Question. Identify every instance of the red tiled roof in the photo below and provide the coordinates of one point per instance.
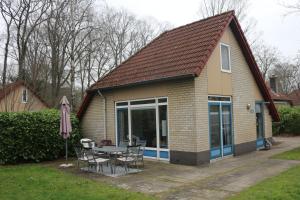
(12, 86)
(181, 52)
(278, 96)
(295, 97)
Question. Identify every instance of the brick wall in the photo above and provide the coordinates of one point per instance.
(92, 123)
(181, 113)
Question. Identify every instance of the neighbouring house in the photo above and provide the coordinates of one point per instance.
(195, 93)
(295, 97)
(278, 98)
(19, 96)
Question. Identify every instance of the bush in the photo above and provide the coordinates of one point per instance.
(34, 136)
(289, 121)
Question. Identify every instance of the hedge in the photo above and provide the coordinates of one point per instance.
(34, 136)
(289, 121)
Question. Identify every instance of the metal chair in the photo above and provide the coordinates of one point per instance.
(94, 161)
(140, 155)
(123, 143)
(80, 156)
(129, 157)
(87, 143)
(105, 143)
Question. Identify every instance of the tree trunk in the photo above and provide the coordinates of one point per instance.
(4, 73)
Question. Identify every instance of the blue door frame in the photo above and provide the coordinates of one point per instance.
(260, 122)
(222, 150)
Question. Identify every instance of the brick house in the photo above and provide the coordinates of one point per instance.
(19, 96)
(194, 93)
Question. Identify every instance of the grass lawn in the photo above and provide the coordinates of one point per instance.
(31, 182)
(285, 186)
(293, 154)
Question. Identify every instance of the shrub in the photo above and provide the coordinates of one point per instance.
(289, 121)
(34, 136)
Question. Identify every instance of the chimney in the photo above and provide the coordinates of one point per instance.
(273, 83)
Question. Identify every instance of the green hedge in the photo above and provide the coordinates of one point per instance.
(289, 121)
(34, 136)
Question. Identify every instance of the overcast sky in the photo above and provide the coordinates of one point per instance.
(275, 29)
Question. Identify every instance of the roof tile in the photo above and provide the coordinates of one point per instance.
(178, 52)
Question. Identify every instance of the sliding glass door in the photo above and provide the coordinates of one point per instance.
(144, 120)
(220, 127)
(143, 125)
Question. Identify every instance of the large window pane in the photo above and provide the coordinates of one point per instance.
(215, 137)
(122, 120)
(163, 127)
(143, 126)
(226, 122)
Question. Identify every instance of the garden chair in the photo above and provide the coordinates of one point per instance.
(123, 143)
(87, 143)
(140, 155)
(94, 161)
(129, 157)
(80, 156)
(105, 143)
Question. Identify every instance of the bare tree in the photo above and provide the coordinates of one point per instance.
(287, 74)
(37, 61)
(214, 7)
(266, 58)
(59, 36)
(292, 8)
(59, 44)
(80, 29)
(26, 15)
(8, 19)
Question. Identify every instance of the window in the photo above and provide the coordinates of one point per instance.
(225, 58)
(122, 104)
(142, 102)
(144, 120)
(24, 96)
(218, 98)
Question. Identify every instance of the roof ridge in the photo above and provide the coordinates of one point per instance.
(202, 20)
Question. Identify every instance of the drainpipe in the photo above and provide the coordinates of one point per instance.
(104, 99)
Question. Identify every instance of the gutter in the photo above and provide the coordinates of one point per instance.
(186, 76)
(104, 117)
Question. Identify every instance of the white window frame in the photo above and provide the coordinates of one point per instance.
(229, 55)
(143, 106)
(26, 101)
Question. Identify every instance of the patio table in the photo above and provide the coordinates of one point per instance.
(112, 151)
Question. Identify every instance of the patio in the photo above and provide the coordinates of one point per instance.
(217, 180)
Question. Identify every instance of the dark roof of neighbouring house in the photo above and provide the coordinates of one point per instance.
(295, 97)
(179, 53)
(280, 97)
(8, 88)
(276, 96)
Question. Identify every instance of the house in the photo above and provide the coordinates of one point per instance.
(194, 94)
(295, 97)
(281, 99)
(19, 96)
(278, 98)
